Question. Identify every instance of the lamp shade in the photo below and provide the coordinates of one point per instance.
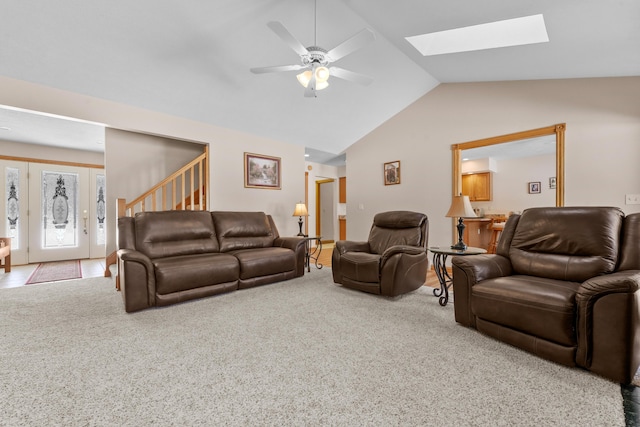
(301, 210)
(461, 208)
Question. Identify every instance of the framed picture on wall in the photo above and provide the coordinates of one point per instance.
(534, 187)
(391, 173)
(261, 171)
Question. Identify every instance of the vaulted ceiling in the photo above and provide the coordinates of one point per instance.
(191, 58)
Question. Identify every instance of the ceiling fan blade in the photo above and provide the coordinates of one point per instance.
(287, 37)
(341, 73)
(276, 69)
(352, 44)
(310, 91)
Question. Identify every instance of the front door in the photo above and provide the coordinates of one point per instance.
(58, 212)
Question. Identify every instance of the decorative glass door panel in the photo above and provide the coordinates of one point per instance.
(59, 204)
(97, 214)
(14, 207)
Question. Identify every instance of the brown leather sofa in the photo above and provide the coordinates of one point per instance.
(173, 256)
(563, 285)
(393, 261)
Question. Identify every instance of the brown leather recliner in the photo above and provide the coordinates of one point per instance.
(563, 285)
(392, 262)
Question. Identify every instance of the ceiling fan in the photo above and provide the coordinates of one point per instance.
(316, 60)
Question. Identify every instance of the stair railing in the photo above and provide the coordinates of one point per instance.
(185, 189)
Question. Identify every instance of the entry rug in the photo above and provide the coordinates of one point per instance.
(55, 271)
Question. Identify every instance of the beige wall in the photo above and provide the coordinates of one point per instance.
(602, 144)
(227, 146)
(43, 152)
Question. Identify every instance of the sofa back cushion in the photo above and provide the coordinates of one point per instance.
(398, 228)
(567, 243)
(243, 230)
(173, 233)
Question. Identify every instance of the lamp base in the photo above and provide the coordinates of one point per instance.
(301, 234)
(461, 245)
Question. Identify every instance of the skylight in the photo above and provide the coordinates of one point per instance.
(510, 32)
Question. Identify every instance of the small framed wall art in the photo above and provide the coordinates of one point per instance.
(534, 187)
(261, 171)
(391, 172)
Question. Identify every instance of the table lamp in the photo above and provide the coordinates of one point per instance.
(300, 210)
(460, 208)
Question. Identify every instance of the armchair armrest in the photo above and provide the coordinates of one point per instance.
(403, 268)
(343, 246)
(401, 249)
(137, 280)
(469, 270)
(482, 267)
(605, 305)
(621, 281)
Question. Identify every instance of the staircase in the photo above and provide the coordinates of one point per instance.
(185, 189)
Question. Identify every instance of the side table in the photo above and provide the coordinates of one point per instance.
(312, 253)
(440, 254)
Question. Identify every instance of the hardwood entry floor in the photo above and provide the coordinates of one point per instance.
(20, 273)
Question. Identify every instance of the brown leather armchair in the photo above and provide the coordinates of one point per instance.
(563, 285)
(392, 262)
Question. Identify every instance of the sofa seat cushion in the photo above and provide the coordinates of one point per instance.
(264, 261)
(180, 273)
(542, 307)
(361, 266)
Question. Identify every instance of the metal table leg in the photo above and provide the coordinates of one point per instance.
(440, 267)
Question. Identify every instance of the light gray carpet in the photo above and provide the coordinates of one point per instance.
(302, 352)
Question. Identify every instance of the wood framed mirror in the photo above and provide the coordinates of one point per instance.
(557, 130)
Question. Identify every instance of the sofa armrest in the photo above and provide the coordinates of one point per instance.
(605, 305)
(137, 280)
(343, 246)
(469, 270)
(289, 242)
(297, 245)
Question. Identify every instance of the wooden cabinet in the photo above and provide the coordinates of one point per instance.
(342, 185)
(477, 186)
(343, 228)
(477, 232)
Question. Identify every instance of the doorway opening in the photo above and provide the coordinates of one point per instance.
(325, 209)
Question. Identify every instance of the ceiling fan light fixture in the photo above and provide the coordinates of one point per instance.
(321, 82)
(322, 74)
